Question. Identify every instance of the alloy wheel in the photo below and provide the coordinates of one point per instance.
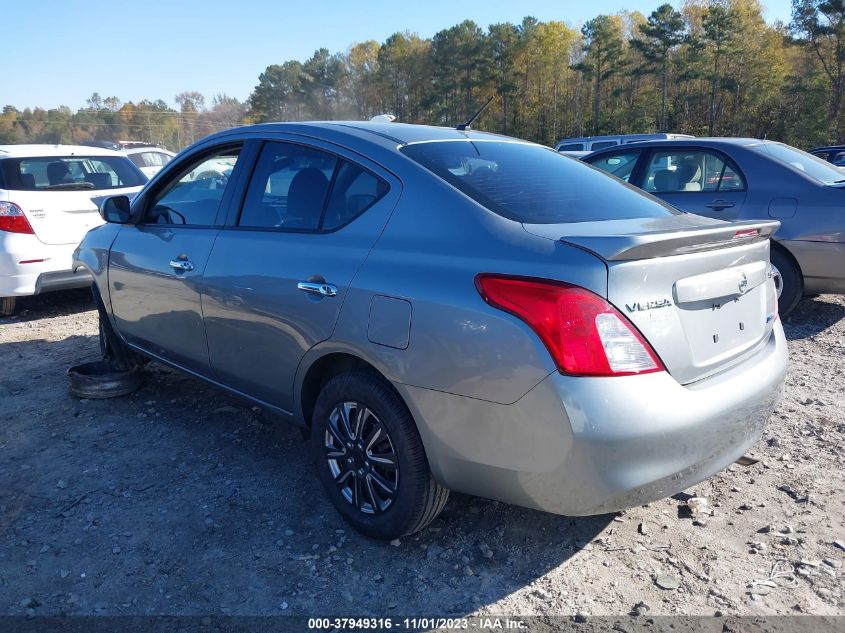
(778, 279)
(361, 457)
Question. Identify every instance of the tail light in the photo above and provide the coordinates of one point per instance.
(12, 219)
(585, 335)
(744, 233)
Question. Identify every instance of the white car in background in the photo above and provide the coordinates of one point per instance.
(148, 158)
(47, 204)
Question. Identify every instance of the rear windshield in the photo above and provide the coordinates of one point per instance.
(813, 166)
(63, 173)
(533, 184)
(149, 159)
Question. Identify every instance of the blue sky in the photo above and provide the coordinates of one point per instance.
(58, 53)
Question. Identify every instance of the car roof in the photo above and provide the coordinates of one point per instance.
(386, 134)
(38, 150)
(834, 148)
(681, 142)
(657, 136)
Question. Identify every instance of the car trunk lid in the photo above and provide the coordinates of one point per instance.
(61, 216)
(698, 289)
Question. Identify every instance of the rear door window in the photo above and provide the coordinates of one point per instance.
(289, 187)
(620, 164)
(571, 147)
(691, 171)
(300, 188)
(353, 192)
(533, 184)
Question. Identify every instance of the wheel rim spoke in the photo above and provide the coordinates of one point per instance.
(371, 493)
(344, 413)
(374, 436)
(384, 460)
(361, 457)
(388, 486)
(336, 433)
(361, 413)
(356, 492)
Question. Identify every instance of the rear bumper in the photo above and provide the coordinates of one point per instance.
(822, 264)
(580, 446)
(62, 280)
(29, 267)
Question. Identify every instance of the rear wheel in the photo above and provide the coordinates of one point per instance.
(8, 305)
(789, 283)
(370, 458)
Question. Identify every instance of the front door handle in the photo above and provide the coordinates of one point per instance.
(322, 289)
(184, 265)
(718, 205)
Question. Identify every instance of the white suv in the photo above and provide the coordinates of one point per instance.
(47, 203)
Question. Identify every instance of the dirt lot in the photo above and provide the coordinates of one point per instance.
(179, 500)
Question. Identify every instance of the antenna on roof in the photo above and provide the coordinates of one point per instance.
(471, 120)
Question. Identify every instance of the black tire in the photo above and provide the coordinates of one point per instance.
(418, 498)
(8, 305)
(791, 280)
(112, 348)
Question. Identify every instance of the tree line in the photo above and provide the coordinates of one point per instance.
(709, 67)
(109, 119)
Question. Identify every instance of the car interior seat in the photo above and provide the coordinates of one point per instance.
(305, 198)
(665, 180)
(689, 176)
(58, 173)
(100, 181)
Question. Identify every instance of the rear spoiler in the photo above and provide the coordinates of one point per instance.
(653, 244)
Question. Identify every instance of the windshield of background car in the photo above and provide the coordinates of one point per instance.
(150, 159)
(811, 165)
(533, 184)
(58, 173)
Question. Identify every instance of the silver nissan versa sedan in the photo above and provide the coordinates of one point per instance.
(448, 310)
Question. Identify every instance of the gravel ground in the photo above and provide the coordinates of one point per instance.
(180, 500)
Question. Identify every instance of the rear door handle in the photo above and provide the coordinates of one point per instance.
(184, 265)
(718, 205)
(322, 289)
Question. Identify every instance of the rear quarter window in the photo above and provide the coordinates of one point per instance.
(533, 184)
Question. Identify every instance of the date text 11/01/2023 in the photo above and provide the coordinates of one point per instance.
(417, 623)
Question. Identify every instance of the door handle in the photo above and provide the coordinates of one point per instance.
(184, 265)
(718, 205)
(322, 289)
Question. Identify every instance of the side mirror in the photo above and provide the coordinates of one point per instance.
(115, 209)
